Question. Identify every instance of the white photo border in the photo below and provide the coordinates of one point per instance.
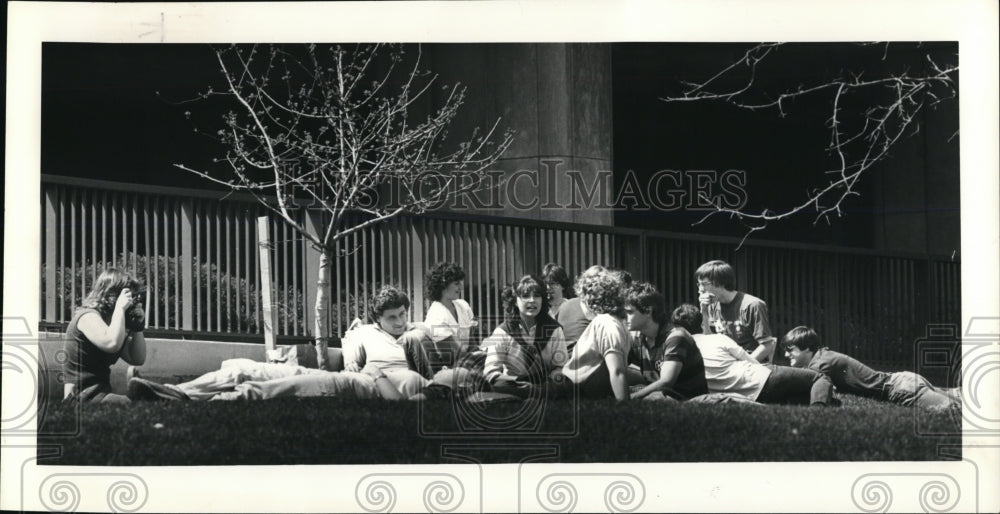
(961, 485)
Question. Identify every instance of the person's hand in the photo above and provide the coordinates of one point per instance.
(352, 367)
(706, 298)
(373, 371)
(124, 300)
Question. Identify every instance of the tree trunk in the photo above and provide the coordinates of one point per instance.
(322, 314)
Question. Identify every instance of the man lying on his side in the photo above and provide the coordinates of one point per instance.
(385, 359)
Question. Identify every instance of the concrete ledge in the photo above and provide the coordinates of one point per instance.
(169, 360)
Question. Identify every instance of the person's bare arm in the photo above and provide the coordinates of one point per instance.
(669, 371)
(107, 337)
(764, 350)
(616, 370)
(382, 384)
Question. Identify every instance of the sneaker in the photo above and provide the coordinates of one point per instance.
(142, 389)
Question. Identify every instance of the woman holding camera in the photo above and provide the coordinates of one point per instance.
(106, 327)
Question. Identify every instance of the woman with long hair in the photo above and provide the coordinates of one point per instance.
(449, 318)
(528, 348)
(107, 326)
(597, 364)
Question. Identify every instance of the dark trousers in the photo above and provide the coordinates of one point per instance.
(797, 386)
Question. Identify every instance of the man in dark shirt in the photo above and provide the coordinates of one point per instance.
(803, 349)
(670, 359)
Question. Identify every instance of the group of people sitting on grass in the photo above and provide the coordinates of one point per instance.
(614, 338)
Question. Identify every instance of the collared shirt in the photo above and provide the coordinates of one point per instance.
(442, 324)
(369, 344)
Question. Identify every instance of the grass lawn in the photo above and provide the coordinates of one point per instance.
(340, 431)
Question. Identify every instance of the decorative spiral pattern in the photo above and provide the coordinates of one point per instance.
(23, 373)
(935, 496)
(875, 496)
(977, 370)
(620, 496)
(560, 496)
(124, 496)
(440, 495)
(380, 496)
(64, 496)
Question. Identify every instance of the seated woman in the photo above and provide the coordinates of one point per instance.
(528, 348)
(449, 319)
(558, 286)
(106, 327)
(597, 364)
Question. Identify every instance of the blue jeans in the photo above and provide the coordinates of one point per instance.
(908, 388)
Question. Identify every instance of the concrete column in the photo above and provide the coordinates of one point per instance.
(557, 99)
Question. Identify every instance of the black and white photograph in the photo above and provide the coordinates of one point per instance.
(401, 272)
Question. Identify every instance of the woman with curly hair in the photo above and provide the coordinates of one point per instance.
(106, 327)
(597, 364)
(449, 318)
(559, 287)
(528, 348)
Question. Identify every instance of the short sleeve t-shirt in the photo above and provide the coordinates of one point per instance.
(573, 320)
(604, 335)
(675, 345)
(849, 374)
(744, 320)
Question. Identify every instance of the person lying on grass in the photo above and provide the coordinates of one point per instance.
(106, 327)
(805, 350)
(527, 351)
(730, 369)
(597, 362)
(668, 356)
(389, 352)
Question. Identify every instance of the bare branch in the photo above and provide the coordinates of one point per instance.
(877, 128)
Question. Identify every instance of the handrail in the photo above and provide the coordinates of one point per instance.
(512, 221)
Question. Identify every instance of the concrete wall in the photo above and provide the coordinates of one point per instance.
(917, 194)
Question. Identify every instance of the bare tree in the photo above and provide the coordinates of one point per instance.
(860, 136)
(342, 126)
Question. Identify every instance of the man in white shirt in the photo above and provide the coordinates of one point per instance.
(730, 369)
(384, 359)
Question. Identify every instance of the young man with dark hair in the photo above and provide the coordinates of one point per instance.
(670, 359)
(725, 310)
(804, 349)
(730, 369)
(384, 359)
